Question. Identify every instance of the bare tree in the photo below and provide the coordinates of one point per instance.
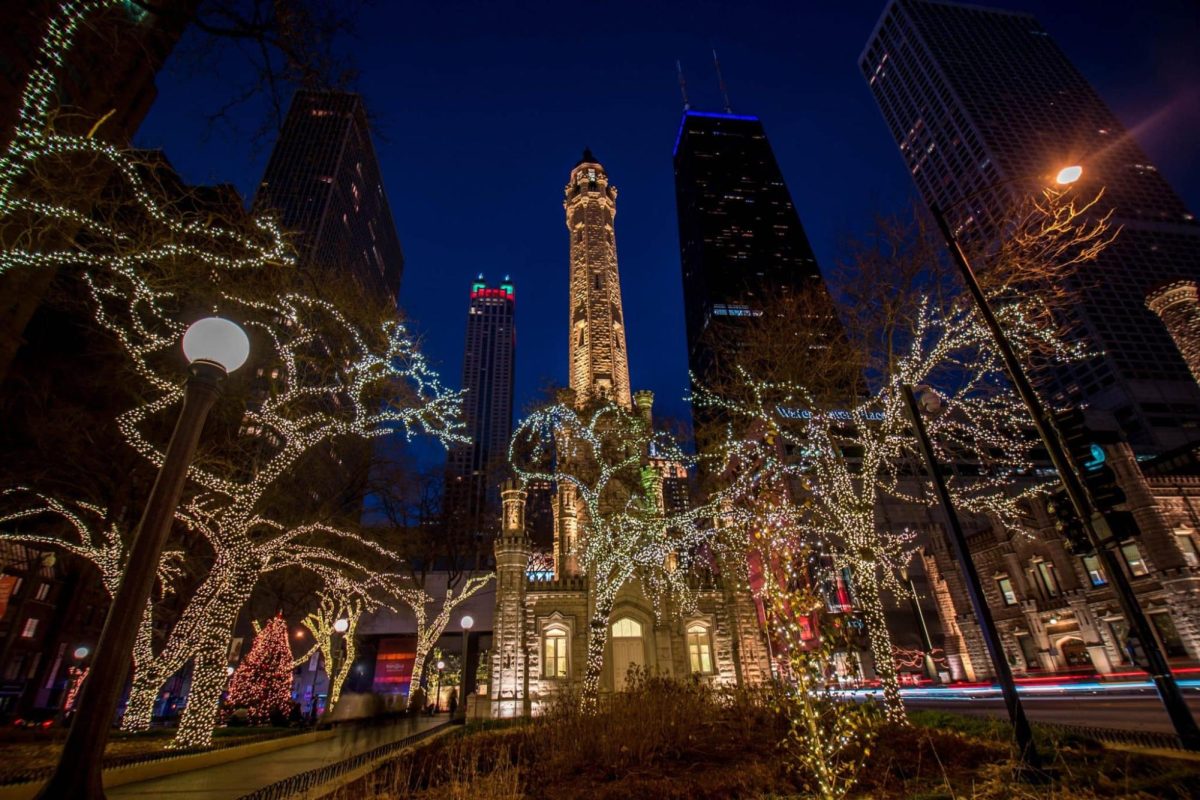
(832, 449)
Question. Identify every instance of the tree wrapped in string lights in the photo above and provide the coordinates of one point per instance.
(626, 532)
(262, 682)
(430, 630)
(150, 255)
(324, 380)
(340, 606)
(91, 537)
(818, 415)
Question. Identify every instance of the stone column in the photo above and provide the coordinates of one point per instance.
(1178, 305)
(509, 680)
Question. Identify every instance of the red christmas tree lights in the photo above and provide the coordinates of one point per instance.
(262, 683)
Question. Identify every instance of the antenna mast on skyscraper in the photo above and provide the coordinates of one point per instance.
(721, 83)
(682, 85)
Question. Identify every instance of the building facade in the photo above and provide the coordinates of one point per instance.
(543, 606)
(1054, 610)
(473, 472)
(740, 237)
(985, 107)
(323, 180)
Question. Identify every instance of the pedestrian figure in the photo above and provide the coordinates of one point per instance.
(453, 702)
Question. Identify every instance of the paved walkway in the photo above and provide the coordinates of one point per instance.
(232, 780)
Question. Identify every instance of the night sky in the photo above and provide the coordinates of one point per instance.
(482, 108)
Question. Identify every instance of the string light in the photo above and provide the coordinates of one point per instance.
(106, 247)
(983, 423)
(262, 682)
(337, 380)
(603, 458)
(430, 631)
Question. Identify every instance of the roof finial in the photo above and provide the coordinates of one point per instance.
(682, 85)
(721, 83)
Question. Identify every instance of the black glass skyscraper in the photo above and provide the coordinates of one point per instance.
(323, 179)
(740, 238)
(474, 471)
(983, 105)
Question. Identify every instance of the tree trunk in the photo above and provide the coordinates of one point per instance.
(142, 694)
(204, 700)
(209, 661)
(597, 639)
(143, 691)
(881, 647)
(418, 673)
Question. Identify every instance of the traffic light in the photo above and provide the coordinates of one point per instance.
(1085, 449)
(1067, 524)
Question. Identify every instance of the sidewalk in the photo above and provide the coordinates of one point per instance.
(231, 781)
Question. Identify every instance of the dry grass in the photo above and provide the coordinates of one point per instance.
(680, 741)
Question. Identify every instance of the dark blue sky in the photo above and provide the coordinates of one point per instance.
(482, 108)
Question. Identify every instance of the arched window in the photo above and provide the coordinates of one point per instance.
(554, 653)
(626, 628)
(699, 648)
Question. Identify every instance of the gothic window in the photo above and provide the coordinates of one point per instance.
(1095, 572)
(1187, 546)
(1164, 626)
(1133, 558)
(626, 628)
(699, 649)
(554, 652)
(1006, 591)
(1045, 571)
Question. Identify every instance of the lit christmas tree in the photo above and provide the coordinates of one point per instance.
(262, 683)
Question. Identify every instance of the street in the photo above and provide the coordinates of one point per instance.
(1132, 707)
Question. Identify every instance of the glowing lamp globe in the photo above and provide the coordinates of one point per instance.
(342, 625)
(81, 652)
(1068, 175)
(216, 341)
(441, 665)
(229, 670)
(467, 622)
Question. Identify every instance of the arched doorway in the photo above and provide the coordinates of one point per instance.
(627, 649)
(1075, 654)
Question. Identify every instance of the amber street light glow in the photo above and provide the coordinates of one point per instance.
(1068, 174)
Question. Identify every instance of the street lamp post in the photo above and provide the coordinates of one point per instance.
(214, 347)
(1098, 531)
(1026, 750)
(437, 698)
(931, 670)
(467, 622)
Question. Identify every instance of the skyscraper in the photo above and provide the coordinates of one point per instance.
(599, 363)
(983, 104)
(473, 477)
(323, 179)
(740, 238)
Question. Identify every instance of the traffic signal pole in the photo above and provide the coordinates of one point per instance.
(1026, 751)
(1099, 533)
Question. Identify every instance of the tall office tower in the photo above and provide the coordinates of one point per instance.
(323, 179)
(740, 238)
(983, 106)
(599, 365)
(474, 471)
